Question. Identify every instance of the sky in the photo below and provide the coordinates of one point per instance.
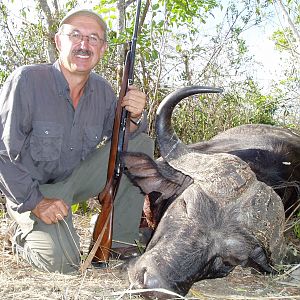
(263, 49)
(260, 45)
(257, 39)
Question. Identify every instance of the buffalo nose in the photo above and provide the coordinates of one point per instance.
(147, 279)
(151, 281)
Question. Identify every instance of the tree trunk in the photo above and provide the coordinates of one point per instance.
(290, 22)
(51, 50)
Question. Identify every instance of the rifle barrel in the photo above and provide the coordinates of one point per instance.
(134, 41)
(114, 171)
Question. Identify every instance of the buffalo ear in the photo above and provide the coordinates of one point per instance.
(259, 261)
(151, 176)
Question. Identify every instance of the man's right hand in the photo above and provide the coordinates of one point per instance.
(51, 211)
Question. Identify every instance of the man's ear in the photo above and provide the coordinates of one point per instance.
(57, 41)
(103, 49)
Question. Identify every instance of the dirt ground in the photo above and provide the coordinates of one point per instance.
(20, 281)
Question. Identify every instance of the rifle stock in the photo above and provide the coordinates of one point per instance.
(104, 223)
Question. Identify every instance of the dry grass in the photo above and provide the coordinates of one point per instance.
(20, 281)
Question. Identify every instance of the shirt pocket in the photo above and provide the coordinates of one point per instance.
(46, 141)
(91, 138)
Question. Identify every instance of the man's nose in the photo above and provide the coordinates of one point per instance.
(85, 41)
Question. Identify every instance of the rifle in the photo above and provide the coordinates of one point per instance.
(102, 235)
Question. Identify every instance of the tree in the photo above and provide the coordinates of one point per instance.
(21, 42)
(174, 47)
(290, 22)
(288, 43)
(51, 26)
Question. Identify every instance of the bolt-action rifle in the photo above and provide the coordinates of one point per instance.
(102, 235)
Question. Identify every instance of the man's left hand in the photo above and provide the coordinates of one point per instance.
(134, 101)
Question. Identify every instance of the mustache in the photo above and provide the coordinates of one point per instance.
(82, 52)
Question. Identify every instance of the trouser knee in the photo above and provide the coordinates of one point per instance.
(52, 250)
(51, 261)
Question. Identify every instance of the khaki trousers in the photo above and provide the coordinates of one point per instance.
(55, 247)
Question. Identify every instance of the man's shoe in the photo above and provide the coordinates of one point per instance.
(124, 253)
(100, 265)
(9, 236)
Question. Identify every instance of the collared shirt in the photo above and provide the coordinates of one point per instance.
(43, 138)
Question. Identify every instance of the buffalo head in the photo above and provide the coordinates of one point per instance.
(214, 214)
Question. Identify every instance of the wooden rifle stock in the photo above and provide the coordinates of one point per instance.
(102, 234)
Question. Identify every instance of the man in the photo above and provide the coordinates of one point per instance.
(52, 121)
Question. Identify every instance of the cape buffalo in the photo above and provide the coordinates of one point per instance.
(218, 203)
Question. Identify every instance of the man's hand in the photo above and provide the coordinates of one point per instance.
(134, 101)
(51, 211)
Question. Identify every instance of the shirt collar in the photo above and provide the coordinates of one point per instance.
(62, 84)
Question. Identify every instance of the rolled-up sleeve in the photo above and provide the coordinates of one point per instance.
(110, 115)
(15, 180)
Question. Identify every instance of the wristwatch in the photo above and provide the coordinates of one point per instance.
(139, 120)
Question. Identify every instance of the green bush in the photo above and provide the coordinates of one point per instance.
(202, 117)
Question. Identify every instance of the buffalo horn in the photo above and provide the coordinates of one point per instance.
(171, 147)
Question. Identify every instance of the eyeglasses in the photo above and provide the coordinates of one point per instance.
(93, 39)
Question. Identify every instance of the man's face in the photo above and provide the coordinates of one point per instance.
(81, 44)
